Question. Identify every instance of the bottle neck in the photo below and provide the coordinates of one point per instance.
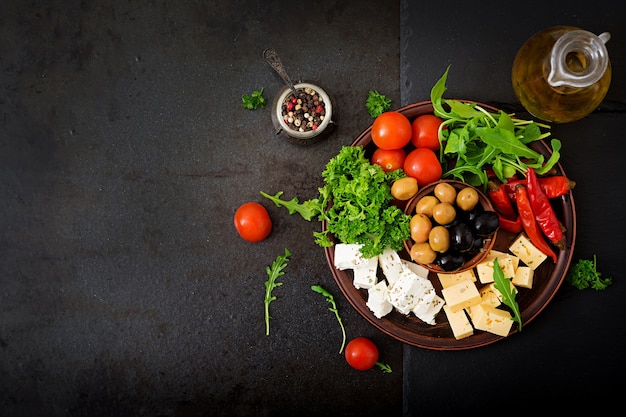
(579, 59)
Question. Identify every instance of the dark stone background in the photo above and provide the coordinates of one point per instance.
(124, 153)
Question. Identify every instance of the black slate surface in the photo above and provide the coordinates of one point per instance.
(567, 357)
(124, 153)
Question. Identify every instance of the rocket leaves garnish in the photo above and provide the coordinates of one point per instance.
(329, 297)
(507, 291)
(474, 139)
(274, 271)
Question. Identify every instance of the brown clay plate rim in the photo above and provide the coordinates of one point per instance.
(411, 330)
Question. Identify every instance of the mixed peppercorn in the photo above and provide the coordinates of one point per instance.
(305, 112)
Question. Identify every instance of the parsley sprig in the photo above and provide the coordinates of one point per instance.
(254, 100)
(503, 285)
(360, 193)
(274, 271)
(377, 103)
(584, 274)
(329, 297)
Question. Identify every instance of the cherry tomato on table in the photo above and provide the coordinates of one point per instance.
(423, 165)
(426, 131)
(391, 130)
(361, 353)
(253, 222)
(389, 159)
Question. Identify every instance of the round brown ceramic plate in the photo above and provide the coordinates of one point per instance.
(411, 330)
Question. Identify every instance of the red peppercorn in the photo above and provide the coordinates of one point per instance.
(319, 109)
(294, 100)
(314, 127)
(289, 106)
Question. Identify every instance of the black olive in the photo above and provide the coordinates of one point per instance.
(450, 261)
(477, 245)
(486, 223)
(470, 216)
(461, 237)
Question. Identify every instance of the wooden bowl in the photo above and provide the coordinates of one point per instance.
(483, 201)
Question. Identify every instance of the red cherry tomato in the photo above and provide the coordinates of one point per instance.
(391, 130)
(253, 222)
(426, 131)
(423, 165)
(361, 353)
(389, 159)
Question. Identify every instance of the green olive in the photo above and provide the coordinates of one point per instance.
(444, 213)
(420, 226)
(445, 192)
(467, 199)
(404, 188)
(425, 205)
(422, 253)
(439, 239)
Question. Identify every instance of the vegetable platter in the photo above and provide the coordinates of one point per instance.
(409, 329)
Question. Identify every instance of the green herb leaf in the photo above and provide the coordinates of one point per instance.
(274, 271)
(476, 139)
(384, 367)
(360, 212)
(377, 103)
(503, 285)
(585, 274)
(253, 101)
(329, 297)
(308, 210)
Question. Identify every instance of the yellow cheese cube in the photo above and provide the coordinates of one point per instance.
(448, 280)
(461, 295)
(490, 295)
(498, 254)
(461, 327)
(528, 253)
(491, 319)
(485, 269)
(523, 277)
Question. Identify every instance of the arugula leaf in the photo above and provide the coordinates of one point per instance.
(329, 297)
(475, 139)
(253, 101)
(503, 285)
(585, 274)
(276, 270)
(377, 103)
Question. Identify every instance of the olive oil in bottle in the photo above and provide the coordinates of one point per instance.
(562, 73)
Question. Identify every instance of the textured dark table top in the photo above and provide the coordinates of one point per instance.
(569, 353)
(124, 288)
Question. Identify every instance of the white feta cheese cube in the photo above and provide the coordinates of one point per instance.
(391, 264)
(428, 307)
(377, 300)
(407, 290)
(365, 274)
(348, 255)
(416, 268)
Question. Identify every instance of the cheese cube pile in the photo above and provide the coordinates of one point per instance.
(469, 298)
(472, 301)
(406, 286)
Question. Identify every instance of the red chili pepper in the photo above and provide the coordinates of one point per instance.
(544, 213)
(553, 186)
(500, 199)
(513, 226)
(529, 223)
